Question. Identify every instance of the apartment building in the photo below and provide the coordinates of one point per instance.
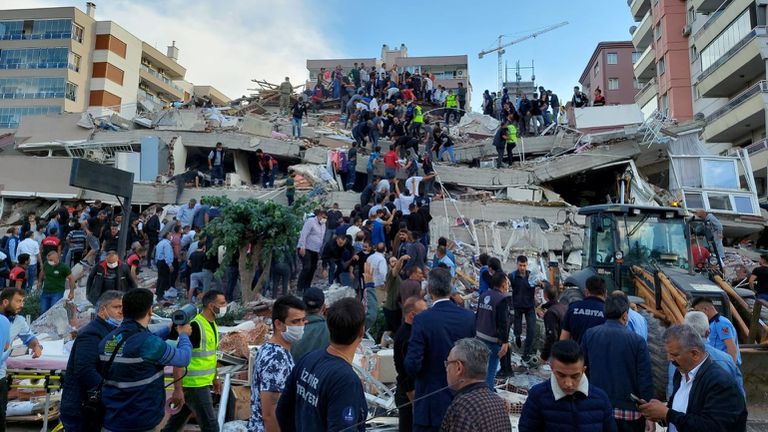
(610, 68)
(449, 71)
(63, 60)
(662, 66)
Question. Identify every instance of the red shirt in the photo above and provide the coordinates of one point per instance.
(133, 260)
(390, 159)
(17, 273)
(700, 255)
(50, 243)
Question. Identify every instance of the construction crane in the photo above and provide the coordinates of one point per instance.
(499, 50)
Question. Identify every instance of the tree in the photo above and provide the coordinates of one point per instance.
(257, 229)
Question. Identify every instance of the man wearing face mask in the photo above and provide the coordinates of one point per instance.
(82, 368)
(274, 363)
(193, 391)
(110, 274)
(54, 273)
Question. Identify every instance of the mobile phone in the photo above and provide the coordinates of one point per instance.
(636, 399)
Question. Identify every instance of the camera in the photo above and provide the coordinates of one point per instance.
(184, 315)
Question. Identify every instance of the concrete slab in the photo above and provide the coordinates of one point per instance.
(256, 126)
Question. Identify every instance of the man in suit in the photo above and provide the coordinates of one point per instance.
(433, 335)
(705, 398)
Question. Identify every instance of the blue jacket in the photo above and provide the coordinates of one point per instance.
(618, 362)
(83, 371)
(433, 334)
(719, 358)
(577, 413)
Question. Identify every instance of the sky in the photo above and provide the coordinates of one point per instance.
(226, 44)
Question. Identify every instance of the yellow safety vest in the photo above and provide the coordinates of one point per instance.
(202, 368)
(451, 101)
(418, 117)
(511, 133)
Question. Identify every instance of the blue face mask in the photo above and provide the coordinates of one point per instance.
(114, 322)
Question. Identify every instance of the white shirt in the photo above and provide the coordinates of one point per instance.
(379, 264)
(429, 83)
(680, 402)
(412, 184)
(382, 186)
(392, 91)
(352, 231)
(373, 105)
(28, 246)
(403, 202)
(381, 73)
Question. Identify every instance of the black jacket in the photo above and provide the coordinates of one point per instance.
(553, 323)
(522, 291)
(95, 285)
(715, 403)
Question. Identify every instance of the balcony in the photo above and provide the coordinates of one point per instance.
(649, 92)
(159, 83)
(706, 6)
(159, 60)
(645, 66)
(639, 8)
(719, 21)
(643, 35)
(742, 114)
(740, 65)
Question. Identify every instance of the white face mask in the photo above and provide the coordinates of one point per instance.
(51, 263)
(293, 334)
(112, 265)
(222, 311)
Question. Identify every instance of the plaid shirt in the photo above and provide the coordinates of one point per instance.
(628, 415)
(476, 408)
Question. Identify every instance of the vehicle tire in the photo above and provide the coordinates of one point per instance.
(659, 362)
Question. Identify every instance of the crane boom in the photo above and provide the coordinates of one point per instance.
(500, 48)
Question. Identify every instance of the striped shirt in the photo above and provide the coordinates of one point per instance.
(76, 240)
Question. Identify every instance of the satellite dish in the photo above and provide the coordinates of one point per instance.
(699, 116)
(632, 30)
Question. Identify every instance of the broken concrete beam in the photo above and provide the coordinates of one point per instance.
(504, 211)
(256, 126)
(336, 141)
(554, 239)
(568, 165)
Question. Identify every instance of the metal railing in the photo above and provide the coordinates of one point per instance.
(36, 36)
(752, 149)
(647, 86)
(34, 65)
(161, 77)
(643, 56)
(712, 18)
(759, 30)
(757, 88)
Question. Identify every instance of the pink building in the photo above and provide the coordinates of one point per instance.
(610, 69)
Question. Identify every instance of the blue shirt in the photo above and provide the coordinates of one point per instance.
(374, 155)
(323, 393)
(377, 233)
(721, 329)
(583, 315)
(18, 327)
(5, 342)
(185, 214)
(164, 252)
(638, 324)
(198, 220)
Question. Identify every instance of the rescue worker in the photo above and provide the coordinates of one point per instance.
(193, 391)
(417, 122)
(451, 107)
(134, 390)
(286, 88)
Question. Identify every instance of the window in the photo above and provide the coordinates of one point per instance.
(696, 93)
(71, 93)
(36, 29)
(662, 67)
(613, 83)
(636, 56)
(77, 32)
(34, 58)
(691, 15)
(657, 32)
(10, 117)
(665, 105)
(74, 62)
(613, 58)
(743, 204)
(740, 28)
(597, 68)
(719, 174)
(31, 88)
(694, 53)
(638, 85)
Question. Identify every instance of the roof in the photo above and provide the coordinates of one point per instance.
(433, 60)
(345, 63)
(601, 46)
(631, 209)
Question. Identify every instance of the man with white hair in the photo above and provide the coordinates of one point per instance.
(700, 323)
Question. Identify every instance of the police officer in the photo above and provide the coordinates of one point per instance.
(133, 393)
(194, 389)
(492, 322)
(722, 333)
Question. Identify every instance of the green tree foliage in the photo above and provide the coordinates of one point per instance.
(255, 228)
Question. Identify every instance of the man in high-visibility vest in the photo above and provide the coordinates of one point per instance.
(451, 106)
(417, 122)
(511, 138)
(193, 391)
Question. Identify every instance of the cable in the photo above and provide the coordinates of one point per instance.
(179, 378)
(354, 426)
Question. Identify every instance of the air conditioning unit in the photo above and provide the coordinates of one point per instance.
(687, 30)
(460, 73)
